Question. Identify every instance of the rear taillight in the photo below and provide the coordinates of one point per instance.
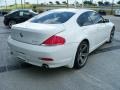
(54, 40)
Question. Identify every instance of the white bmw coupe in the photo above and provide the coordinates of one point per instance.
(60, 37)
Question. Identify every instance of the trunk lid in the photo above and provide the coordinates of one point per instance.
(34, 33)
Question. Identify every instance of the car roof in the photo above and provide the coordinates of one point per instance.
(21, 10)
(71, 10)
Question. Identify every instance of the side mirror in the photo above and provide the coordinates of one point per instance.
(106, 20)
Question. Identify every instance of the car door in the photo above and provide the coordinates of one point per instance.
(89, 29)
(102, 32)
(24, 15)
(15, 17)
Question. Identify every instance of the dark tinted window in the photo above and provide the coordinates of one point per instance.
(84, 19)
(24, 13)
(15, 13)
(11, 12)
(96, 17)
(54, 18)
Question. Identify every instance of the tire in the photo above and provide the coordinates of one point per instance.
(11, 22)
(81, 55)
(111, 35)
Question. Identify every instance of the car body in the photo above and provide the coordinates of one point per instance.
(102, 12)
(117, 12)
(57, 37)
(18, 16)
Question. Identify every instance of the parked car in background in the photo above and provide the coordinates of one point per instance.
(117, 12)
(102, 12)
(2, 13)
(18, 16)
(60, 37)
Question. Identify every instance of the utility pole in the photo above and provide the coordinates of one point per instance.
(16, 4)
(67, 3)
(6, 4)
(82, 3)
(21, 4)
(112, 7)
(37, 2)
(75, 4)
(24, 3)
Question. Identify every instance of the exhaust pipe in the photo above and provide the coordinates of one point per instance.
(45, 66)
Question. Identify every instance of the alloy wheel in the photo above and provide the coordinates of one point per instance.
(82, 55)
(11, 23)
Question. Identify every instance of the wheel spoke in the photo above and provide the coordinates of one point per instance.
(84, 47)
(84, 54)
(83, 57)
(112, 34)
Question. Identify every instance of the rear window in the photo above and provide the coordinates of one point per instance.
(54, 18)
(12, 11)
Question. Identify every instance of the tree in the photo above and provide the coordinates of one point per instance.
(100, 3)
(118, 2)
(57, 2)
(34, 8)
(42, 4)
(88, 2)
(64, 2)
(76, 3)
(106, 3)
(27, 3)
(51, 2)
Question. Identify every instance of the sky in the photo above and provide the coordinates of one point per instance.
(9, 2)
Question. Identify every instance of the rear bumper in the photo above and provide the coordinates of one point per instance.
(5, 21)
(62, 55)
(117, 14)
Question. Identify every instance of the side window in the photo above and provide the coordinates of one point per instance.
(24, 13)
(84, 19)
(16, 13)
(21, 13)
(96, 17)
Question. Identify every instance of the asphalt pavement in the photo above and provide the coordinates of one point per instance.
(100, 73)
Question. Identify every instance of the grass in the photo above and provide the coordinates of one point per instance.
(12, 7)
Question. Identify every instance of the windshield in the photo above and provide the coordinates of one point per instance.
(54, 18)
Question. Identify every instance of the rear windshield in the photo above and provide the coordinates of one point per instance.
(12, 11)
(54, 18)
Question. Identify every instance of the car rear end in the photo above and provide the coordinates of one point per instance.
(43, 40)
(43, 46)
(117, 12)
(6, 19)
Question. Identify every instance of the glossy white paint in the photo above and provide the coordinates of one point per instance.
(30, 48)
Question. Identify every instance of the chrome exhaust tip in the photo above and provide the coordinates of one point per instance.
(45, 66)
